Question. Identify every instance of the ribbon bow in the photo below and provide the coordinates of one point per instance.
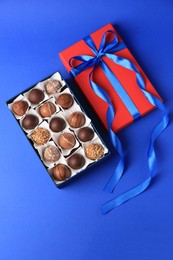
(108, 49)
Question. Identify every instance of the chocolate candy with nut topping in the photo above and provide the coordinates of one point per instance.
(61, 172)
(40, 136)
(76, 119)
(94, 151)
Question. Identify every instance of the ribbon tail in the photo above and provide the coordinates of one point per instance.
(160, 127)
(124, 197)
(115, 140)
(118, 172)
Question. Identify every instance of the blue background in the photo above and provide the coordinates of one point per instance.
(38, 221)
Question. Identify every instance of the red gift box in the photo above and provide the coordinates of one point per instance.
(126, 77)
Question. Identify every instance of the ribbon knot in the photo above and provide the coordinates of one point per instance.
(109, 48)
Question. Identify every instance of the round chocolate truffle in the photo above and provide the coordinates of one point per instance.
(47, 109)
(61, 172)
(30, 122)
(51, 154)
(36, 96)
(40, 136)
(20, 107)
(52, 86)
(76, 161)
(76, 119)
(85, 134)
(94, 151)
(65, 100)
(66, 141)
(57, 124)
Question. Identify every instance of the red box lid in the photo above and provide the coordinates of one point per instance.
(126, 77)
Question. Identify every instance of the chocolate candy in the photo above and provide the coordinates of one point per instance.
(58, 128)
(52, 86)
(20, 107)
(57, 124)
(85, 134)
(61, 172)
(47, 109)
(66, 141)
(94, 151)
(40, 136)
(36, 96)
(76, 161)
(30, 122)
(65, 100)
(51, 154)
(77, 119)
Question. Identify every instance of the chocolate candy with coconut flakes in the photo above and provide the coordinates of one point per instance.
(53, 86)
(51, 154)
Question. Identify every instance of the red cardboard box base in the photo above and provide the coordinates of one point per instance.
(126, 77)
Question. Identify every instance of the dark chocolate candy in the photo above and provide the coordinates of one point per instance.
(61, 172)
(57, 124)
(30, 122)
(76, 161)
(85, 134)
(36, 96)
(76, 119)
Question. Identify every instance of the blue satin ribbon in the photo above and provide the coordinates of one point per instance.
(109, 49)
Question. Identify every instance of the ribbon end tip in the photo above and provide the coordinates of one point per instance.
(108, 190)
